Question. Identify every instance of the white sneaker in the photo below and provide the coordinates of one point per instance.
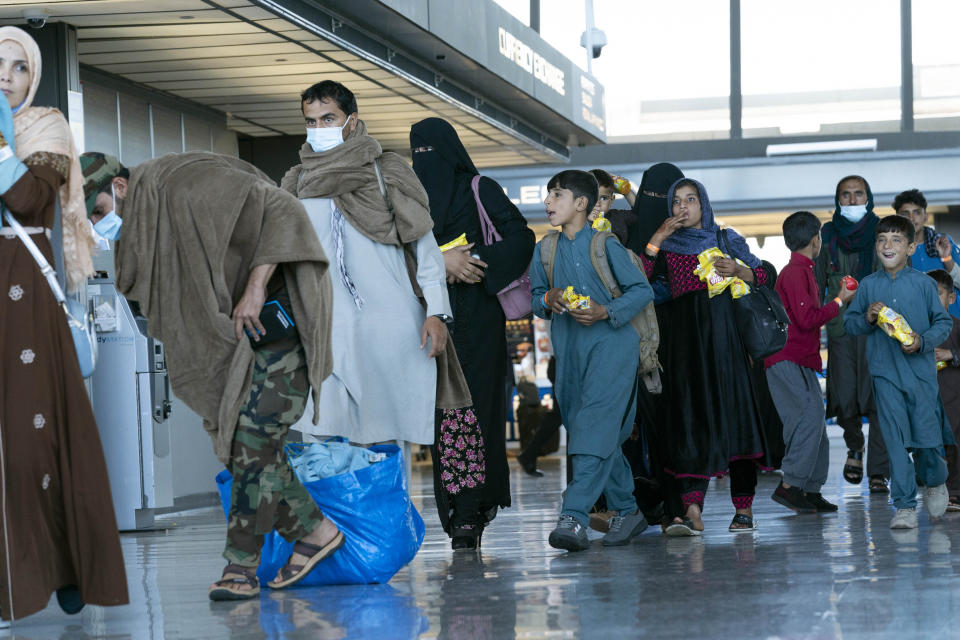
(905, 519)
(935, 499)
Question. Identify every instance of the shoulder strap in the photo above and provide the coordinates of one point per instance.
(548, 253)
(48, 272)
(490, 234)
(598, 256)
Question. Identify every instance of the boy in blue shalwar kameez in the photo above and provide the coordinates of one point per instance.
(905, 377)
(597, 354)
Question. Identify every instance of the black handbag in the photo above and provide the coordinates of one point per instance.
(760, 316)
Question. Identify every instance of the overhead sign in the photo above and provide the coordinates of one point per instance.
(531, 61)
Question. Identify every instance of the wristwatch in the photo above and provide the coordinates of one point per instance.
(444, 318)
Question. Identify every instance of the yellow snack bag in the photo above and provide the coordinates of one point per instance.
(574, 300)
(715, 282)
(600, 223)
(459, 241)
(895, 326)
(941, 365)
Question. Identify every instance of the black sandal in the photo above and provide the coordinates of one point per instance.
(878, 484)
(743, 519)
(466, 537)
(852, 473)
(221, 590)
(291, 574)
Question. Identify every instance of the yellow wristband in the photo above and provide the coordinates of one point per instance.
(652, 247)
(838, 301)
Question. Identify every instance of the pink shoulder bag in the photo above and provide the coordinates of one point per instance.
(515, 298)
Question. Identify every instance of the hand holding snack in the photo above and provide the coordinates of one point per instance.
(574, 300)
(590, 315)
(554, 301)
(943, 355)
(914, 345)
(896, 326)
(873, 311)
(600, 223)
(713, 265)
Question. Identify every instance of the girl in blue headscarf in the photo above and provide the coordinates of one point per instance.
(708, 410)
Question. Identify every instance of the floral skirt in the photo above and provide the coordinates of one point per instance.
(459, 468)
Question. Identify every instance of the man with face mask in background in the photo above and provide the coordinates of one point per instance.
(394, 363)
(202, 242)
(848, 249)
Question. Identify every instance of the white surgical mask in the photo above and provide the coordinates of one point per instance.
(853, 212)
(325, 138)
(108, 227)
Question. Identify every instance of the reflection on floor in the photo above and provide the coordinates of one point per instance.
(845, 575)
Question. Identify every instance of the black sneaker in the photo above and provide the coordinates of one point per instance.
(793, 499)
(529, 466)
(817, 500)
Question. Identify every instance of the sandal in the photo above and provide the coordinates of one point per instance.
(681, 529)
(953, 504)
(853, 473)
(742, 519)
(224, 588)
(878, 484)
(291, 574)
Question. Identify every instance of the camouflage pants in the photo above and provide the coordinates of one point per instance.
(266, 494)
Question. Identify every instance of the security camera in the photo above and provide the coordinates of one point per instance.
(36, 19)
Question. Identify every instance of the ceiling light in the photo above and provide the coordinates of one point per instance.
(826, 146)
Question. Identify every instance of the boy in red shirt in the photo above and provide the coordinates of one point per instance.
(792, 372)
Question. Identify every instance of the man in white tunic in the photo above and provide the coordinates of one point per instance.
(393, 364)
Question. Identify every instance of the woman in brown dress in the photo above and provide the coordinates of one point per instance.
(58, 531)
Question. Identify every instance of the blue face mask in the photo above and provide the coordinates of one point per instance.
(109, 226)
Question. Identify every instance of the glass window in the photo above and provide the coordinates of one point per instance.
(820, 67)
(665, 69)
(936, 65)
(100, 131)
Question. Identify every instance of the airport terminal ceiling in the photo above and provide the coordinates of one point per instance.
(250, 64)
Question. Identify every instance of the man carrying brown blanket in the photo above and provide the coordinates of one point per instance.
(202, 238)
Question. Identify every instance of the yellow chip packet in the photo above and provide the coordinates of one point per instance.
(459, 241)
(574, 300)
(895, 326)
(941, 365)
(600, 223)
(715, 282)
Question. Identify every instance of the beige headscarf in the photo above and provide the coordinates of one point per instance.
(44, 129)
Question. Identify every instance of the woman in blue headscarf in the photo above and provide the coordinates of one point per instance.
(708, 411)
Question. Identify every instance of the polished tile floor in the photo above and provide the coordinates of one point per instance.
(797, 577)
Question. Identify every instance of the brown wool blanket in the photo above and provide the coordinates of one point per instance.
(194, 226)
(346, 174)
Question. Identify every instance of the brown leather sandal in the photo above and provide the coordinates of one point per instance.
(291, 574)
(221, 589)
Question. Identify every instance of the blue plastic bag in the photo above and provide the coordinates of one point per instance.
(371, 507)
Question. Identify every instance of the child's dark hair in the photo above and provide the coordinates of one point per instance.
(686, 182)
(799, 229)
(944, 281)
(581, 183)
(604, 179)
(910, 196)
(330, 90)
(897, 224)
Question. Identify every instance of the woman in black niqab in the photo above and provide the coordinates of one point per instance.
(466, 504)
(651, 209)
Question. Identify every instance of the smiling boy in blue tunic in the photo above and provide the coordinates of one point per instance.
(905, 376)
(597, 353)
